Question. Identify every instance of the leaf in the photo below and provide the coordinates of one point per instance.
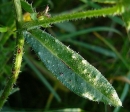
(26, 6)
(30, 13)
(71, 69)
(126, 14)
(85, 31)
(3, 29)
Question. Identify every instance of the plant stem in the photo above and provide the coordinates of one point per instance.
(115, 10)
(18, 55)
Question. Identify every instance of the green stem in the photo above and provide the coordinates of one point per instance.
(18, 55)
(115, 10)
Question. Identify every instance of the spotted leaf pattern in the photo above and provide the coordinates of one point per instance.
(71, 69)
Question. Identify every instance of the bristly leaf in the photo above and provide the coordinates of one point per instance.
(71, 69)
(26, 6)
(3, 29)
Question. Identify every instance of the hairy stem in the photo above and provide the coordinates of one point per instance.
(18, 54)
(115, 10)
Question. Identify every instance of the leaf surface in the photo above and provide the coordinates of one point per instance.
(3, 29)
(26, 6)
(71, 69)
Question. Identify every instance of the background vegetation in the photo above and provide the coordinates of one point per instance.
(98, 40)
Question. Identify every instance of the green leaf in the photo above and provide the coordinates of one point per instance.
(84, 31)
(126, 14)
(34, 16)
(26, 6)
(71, 69)
(3, 29)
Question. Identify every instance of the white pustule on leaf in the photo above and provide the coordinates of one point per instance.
(71, 69)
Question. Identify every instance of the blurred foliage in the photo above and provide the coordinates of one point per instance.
(34, 94)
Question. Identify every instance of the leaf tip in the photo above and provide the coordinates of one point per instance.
(117, 102)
